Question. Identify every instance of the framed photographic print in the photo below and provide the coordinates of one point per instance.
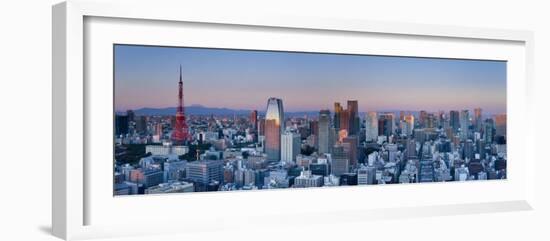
(180, 113)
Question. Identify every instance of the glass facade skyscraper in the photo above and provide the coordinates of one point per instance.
(324, 131)
(274, 126)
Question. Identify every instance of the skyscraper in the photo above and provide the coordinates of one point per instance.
(340, 161)
(254, 119)
(464, 124)
(385, 124)
(454, 120)
(121, 124)
(324, 131)
(409, 125)
(180, 134)
(411, 149)
(141, 124)
(344, 120)
(274, 127)
(261, 127)
(430, 121)
(489, 131)
(131, 115)
(478, 122)
(468, 150)
(422, 118)
(500, 125)
(353, 117)
(290, 146)
(371, 129)
(350, 146)
(337, 111)
(158, 132)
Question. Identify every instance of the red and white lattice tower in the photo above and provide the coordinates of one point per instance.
(180, 134)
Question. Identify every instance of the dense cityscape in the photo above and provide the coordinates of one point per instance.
(271, 148)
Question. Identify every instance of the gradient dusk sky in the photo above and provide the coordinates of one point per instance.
(147, 76)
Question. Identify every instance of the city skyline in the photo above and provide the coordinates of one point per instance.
(185, 151)
(304, 80)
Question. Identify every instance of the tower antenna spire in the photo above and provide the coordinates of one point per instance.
(180, 134)
(180, 73)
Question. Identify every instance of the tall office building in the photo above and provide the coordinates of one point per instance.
(411, 149)
(350, 146)
(409, 125)
(371, 126)
(340, 160)
(489, 131)
(464, 124)
(344, 120)
(159, 132)
(431, 121)
(314, 127)
(500, 125)
(131, 115)
(274, 126)
(468, 150)
(353, 117)
(254, 119)
(141, 124)
(338, 109)
(478, 122)
(386, 124)
(261, 127)
(422, 118)
(324, 131)
(442, 120)
(121, 125)
(454, 120)
(290, 146)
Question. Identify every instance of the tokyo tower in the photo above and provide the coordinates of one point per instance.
(180, 134)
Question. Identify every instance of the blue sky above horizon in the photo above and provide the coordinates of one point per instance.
(147, 76)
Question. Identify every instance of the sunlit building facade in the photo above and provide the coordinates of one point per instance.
(274, 127)
(371, 121)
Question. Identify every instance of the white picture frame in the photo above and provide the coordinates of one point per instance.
(78, 212)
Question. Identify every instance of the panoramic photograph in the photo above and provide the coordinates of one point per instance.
(203, 120)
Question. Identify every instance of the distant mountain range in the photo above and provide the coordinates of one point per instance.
(190, 110)
(203, 110)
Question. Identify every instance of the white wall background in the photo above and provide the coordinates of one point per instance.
(25, 119)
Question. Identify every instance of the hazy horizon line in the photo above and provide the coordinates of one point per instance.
(317, 110)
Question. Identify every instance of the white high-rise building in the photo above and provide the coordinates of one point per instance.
(408, 125)
(290, 146)
(371, 119)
